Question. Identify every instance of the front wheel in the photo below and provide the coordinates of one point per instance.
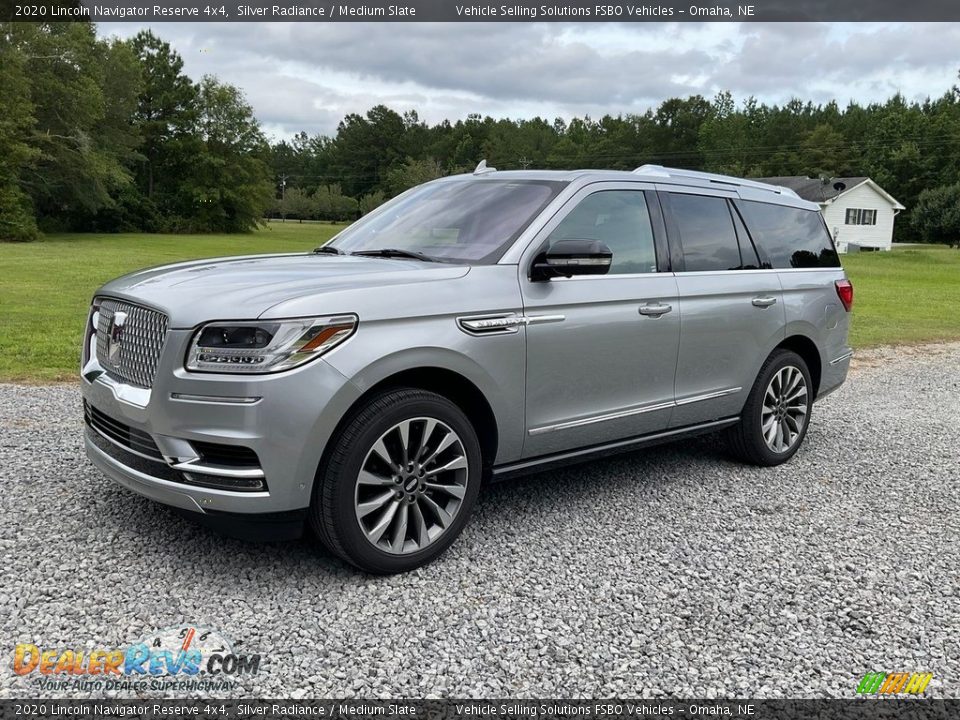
(399, 483)
(777, 412)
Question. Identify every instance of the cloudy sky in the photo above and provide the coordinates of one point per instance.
(307, 76)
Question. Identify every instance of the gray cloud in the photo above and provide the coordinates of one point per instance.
(308, 75)
(501, 61)
(787, 59)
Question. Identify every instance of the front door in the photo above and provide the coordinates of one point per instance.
(601, 350)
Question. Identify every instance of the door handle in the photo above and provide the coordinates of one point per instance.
(764, 302)
(655, 310)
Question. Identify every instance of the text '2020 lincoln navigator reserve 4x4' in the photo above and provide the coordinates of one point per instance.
(476, 326)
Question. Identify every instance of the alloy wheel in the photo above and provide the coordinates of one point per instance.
(411, 485)
(784, 412)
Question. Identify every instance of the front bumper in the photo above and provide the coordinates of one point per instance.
(285, 419)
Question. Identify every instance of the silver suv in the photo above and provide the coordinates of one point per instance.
(476, 327)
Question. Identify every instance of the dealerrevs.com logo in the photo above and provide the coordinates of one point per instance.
(179, 658)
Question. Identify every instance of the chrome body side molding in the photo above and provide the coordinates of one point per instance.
(845, 356)
(215, 399)
(708, 396)
(538, 464)
(631, 411)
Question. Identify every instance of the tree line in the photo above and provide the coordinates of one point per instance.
(912, 149)
(109, 135)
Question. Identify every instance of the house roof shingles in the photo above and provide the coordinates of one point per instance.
(814, 189)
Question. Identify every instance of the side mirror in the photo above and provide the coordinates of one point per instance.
(566, 258)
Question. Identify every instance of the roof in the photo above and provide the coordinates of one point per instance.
(747, 189)
(822, 190)
(652, 173)
(679, 175)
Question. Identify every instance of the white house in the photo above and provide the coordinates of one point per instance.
(856, 209)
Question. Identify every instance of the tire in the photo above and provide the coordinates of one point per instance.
(428, 505)
(747, 440)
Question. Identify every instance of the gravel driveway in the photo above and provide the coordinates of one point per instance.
(668, 572)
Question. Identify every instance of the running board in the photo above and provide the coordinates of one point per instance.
(569, 457)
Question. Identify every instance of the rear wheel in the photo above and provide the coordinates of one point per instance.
(777, 412)
(399, 483)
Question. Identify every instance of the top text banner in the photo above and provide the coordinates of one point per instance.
(463, 11)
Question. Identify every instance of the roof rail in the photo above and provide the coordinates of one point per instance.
(661, 171)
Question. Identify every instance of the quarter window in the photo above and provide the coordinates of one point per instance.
(790, 237)
(706, 232)
(860, 216)
(621, 220)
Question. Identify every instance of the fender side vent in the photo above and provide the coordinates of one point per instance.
(503, 324)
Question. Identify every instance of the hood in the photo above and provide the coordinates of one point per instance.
(247, 287)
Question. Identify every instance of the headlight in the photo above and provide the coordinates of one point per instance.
(263, 346)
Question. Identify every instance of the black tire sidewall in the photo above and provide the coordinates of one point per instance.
(752, 415)
(361, 434)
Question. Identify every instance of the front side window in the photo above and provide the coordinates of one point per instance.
(621, 220)
(468, 220)
(860, 216)
(790, 237)
(706, 233)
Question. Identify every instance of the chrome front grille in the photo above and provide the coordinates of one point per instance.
(130, 350)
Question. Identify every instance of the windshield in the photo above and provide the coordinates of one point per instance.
(470, 220)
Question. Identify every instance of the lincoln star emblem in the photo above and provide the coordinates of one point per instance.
(115, 336)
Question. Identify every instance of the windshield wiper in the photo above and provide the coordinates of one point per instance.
(395, 253)
(328, 249)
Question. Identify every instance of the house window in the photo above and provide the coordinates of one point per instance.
(859, 216)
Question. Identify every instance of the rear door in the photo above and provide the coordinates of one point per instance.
(796, 242)
(731, 306)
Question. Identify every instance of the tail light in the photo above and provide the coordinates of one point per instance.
(845, 293)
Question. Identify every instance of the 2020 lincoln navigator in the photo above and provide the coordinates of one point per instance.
(478, 326)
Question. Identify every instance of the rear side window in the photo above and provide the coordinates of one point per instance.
(706, 232)
(790, 237)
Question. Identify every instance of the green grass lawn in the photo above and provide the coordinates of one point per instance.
(909, 295)
(46, 287)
